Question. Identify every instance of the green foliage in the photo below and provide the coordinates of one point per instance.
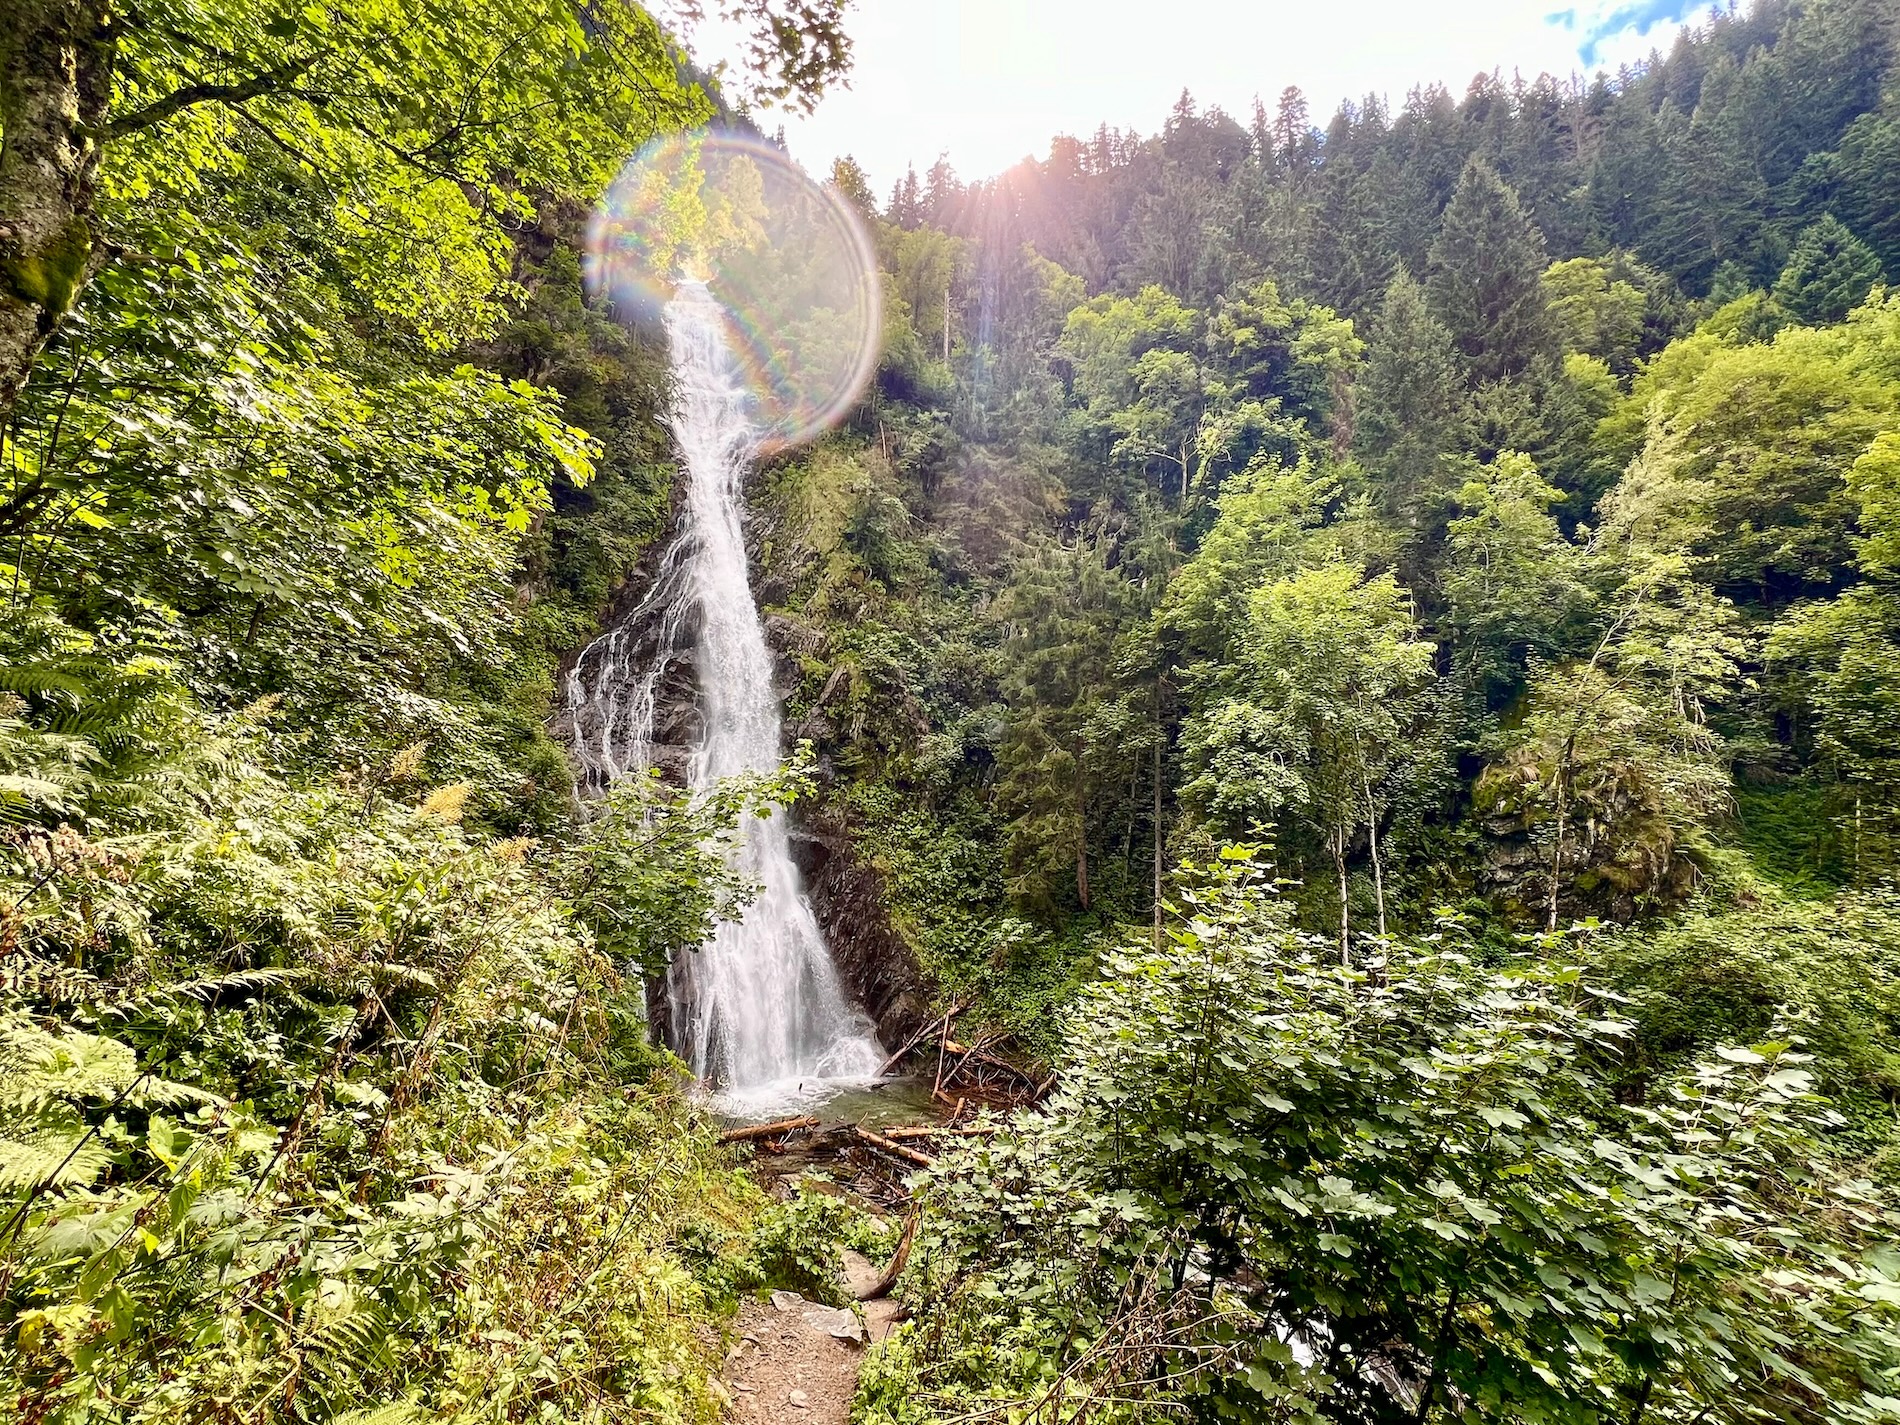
(1137, 382)
(1274, 1187)
(1611, 771)
(315, 1101)
(1486, 278)
(1825, 968)
(796, 1241)
(1322, 721)
(1513, 584)
(1749, 447)
(1407, 406)
(1829, 273)
(1595, 312)
(1067, 732)
(651, 873)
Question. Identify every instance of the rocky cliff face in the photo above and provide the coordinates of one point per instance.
(1621, 856)
(847, 895)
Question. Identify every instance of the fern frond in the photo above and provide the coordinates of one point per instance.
(399, 1412)
(352, 1347)
(39, 680)
(59, 1157)
(209, 988)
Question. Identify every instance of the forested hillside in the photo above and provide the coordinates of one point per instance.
(1364, 660)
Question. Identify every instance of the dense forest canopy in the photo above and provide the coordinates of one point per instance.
(1365, 658)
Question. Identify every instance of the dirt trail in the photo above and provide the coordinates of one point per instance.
(790, 1362)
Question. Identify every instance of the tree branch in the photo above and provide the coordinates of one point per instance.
(269, 82)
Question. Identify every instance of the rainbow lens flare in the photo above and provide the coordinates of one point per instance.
(789, 261)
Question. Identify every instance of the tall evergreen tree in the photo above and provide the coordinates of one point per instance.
(1829, 273)
(1486, 278)
(1861, 182)
(1408, 400)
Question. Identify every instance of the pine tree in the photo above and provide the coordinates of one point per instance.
(847, 176)
(1294, 144)
(1724, 186)
(1486, 271)
(1862, 175)
(1353, 256)
(1829, 273)
(907, 202)
(1063, 742)
(1407, 404)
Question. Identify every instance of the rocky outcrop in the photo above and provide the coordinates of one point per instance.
(847, 896)
(1621, 856)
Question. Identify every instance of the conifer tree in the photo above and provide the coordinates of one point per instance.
(1829, 273)
(1064, 737)
(1861, 176)
(1407, 402)
(1485, 283)
(907, 201)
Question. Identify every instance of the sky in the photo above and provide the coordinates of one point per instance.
(989, 82)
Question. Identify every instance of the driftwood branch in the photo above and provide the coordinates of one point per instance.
(881, 1288)
(909, 1155)
(922, 1030)
(928, 1130)
(755, 1131)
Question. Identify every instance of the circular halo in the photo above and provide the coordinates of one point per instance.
(788, 260)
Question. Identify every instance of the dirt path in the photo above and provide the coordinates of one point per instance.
(791, 1362)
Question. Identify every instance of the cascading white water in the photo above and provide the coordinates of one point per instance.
(759, 1011)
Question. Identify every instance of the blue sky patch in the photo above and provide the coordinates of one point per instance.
(1597, 29)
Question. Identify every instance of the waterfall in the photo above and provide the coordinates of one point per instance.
(758, 1011)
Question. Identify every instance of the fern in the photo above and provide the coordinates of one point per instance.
(352, 1346)
(399, 1412)
(51, 1157)
(207, 989)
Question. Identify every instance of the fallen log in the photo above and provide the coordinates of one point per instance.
(923, 1030)
(881, 1288)
(755, 1131)
(909, 1155)
(935, 1131)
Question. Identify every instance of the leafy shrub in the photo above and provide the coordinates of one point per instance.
(1276, 1188)
(313, 1100)
(796, 1242)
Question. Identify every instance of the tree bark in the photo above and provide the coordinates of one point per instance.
(1339, 861)
(1378, 868)
(1081, 843)
(56, 59)
(1157, 813)
(1557, 851)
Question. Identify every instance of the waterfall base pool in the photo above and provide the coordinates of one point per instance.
(872, 1102)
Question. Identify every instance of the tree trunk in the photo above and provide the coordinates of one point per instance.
(1378, 869)
(1157, 811)
(1339, 861)
(56, 59)
(1081, 846)
(1557, 851)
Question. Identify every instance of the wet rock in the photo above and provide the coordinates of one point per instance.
(837, 1322)
(847, 896)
